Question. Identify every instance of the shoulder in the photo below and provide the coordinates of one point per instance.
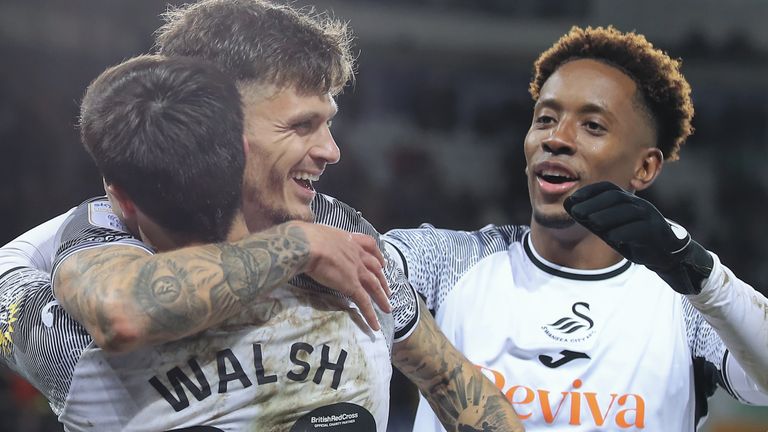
(97, 213)
(92, 224)
(486, 240)
(330, 211)
(34, 248)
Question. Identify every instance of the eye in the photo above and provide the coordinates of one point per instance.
(544, 120)
(303, 127)
(594, 127)
(329, 123)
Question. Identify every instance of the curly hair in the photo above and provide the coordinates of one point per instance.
(262, 42)
(663, 88)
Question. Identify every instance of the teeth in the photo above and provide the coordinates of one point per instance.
(306, 176)
(554, 174)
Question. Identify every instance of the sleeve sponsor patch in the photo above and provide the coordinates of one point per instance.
(100, 214)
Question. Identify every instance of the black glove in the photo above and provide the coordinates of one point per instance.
(636, 229)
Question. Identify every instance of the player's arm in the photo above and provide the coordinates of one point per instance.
(737, 313)
(34, 249)
(35, 333)
(126, 297)
(638, 231)
(459, 394)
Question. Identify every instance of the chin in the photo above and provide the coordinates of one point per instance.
(301, 213)
(553, 220)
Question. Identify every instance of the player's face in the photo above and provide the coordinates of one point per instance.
(290, 144)
(588, 126)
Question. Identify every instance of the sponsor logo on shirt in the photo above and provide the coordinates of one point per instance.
(339, 417)
(604, 409)
(572, 328)
(566, 356)
(100, 214)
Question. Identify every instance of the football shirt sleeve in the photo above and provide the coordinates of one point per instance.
(38, 339)
(33, 249)
(729, 327)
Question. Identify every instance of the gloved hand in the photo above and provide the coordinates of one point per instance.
(639, 232)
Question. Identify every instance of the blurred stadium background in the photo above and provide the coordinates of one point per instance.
(432, 130)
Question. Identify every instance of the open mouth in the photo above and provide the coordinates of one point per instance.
(556, 177)
(305, 180)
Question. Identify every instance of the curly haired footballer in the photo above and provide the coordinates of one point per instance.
(663, 89)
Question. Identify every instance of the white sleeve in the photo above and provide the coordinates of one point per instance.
(33, 249)
(741, 385)
(739, 315)
(424, 254)
(404, 300)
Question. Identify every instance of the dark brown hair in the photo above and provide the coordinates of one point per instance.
(256, 41)
(169, 132)
(662, 87)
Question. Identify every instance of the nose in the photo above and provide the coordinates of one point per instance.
(325, 147)
(561, 139)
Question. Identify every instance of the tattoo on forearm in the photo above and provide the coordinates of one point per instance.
(461, 397)
(190, 289)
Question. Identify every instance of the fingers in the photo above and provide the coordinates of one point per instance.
(627, 239)
(377, 286)
(595, 202)
(372, 249)
(351, 263)
(605, 219)
(588, 192)
(363, 301)
(369, 245)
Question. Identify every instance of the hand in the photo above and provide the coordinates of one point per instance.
(350, 263)
(638, 231)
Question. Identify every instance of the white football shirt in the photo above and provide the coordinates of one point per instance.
(573, 350)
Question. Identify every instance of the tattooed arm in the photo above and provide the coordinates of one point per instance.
(127, 298)
(460, 395)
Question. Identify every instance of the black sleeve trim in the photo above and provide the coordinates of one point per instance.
(726, 383)
(408, 327)
(402, 258)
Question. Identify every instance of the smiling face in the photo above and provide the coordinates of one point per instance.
(589, 125)
(290, 144)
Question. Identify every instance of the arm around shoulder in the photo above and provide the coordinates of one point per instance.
(126, 298)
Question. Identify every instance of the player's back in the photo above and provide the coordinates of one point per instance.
(295, 361)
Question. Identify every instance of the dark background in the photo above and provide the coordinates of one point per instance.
(432, 131)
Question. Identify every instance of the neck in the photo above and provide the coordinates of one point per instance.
(156, 236)
(163, 240)
(572, 247)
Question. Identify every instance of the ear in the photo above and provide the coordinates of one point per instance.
(126, 209)
(647, 168)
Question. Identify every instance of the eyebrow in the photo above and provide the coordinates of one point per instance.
(588, 108)
(310, 115)
(303, 116)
